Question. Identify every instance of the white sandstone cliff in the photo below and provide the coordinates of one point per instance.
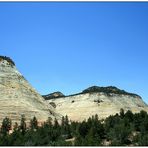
(82, 106)
(18, 97)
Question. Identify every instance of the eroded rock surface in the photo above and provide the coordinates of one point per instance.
(18, 97)
(83, 105)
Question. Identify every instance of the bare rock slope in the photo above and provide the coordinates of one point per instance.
(18, 97)
(103, 101)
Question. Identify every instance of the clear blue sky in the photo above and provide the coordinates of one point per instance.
(68, 47)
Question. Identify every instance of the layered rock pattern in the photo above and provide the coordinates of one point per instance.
(83, 105)
(18, 97)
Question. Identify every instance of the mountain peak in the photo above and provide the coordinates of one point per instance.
(8, 59)
(56, 94)
(107, 90)
(18, 97)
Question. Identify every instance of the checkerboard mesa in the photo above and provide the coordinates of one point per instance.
(103, 101)
(18, 97)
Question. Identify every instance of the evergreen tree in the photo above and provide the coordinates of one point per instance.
(143, 114)
(67, 129)
(15, 127)
(82, 129)
(129, 116)
(22, 126)
(92, 139)
(6, 126)
(143, 140)
(78, 140)
(137, 121)
(120, 130)
(122, 113)
(56, 124)
(49, 121)
(34, 123)
(63, 121)
(119, 134)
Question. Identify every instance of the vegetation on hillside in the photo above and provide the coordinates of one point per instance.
(9, 60)
(94, 89)
(107, 90)
(53, 95)
(123, 129)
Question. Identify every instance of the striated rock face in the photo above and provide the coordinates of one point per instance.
(17, 96)
(103, 101)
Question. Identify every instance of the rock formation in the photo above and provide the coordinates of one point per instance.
(18, 97)
(103, 101)
(53, 95)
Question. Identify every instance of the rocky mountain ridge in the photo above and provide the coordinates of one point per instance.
(106, 90)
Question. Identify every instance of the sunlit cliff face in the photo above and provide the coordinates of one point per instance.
(83, 105)
(18, 97)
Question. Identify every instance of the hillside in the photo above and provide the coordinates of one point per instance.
(103, 101)
(53, 95)
(18, 97)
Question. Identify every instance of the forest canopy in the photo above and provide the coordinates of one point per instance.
(123, 129)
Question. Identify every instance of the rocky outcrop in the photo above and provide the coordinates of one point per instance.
(108, 90)
(53, 95)
(18, 97)
(103, 101)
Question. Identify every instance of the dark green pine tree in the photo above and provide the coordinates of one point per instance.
(22, 126)
(82, 129)
(119, 134)
(143, 140)
(67, 127)
(63, 121)
(6, 126)
(49, 121)
(56, 124)
(34, 123)
(4, 133)
(92, 139)
(122, 113)
(129, 116)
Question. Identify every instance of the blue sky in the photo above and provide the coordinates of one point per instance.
(68, 47)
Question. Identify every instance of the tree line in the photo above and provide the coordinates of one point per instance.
(122, 129)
